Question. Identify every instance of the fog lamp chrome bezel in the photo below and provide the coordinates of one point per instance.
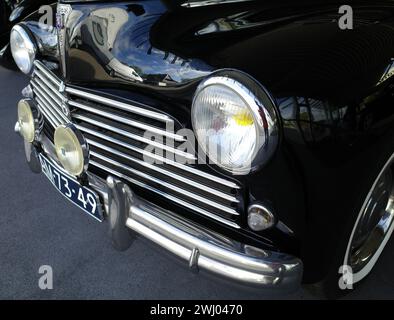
(36, 120)
(81, 145)
(30, 45)
(262, 212)
(262, 108)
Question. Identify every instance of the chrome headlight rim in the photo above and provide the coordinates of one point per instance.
(262, 107)
(29, 39)
(83, 145)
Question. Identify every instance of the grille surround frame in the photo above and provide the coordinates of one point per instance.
(198, 191)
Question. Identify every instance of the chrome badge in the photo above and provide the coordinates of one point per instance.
(59, 21)
(63, 11)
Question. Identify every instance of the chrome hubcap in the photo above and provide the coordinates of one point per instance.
(374, 222)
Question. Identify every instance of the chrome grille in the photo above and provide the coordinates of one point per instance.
(47, 88)
(115, 130)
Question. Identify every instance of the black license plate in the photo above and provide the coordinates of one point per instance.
(71, 189)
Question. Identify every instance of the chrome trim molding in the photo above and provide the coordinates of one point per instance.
(40, 78)
(163, 171)
(46, 113)
(50, 101)
(159, 158)
(165, 195)
(120, 105)
(127, 121)
(47, 73)
(170, 186)
(135, 137)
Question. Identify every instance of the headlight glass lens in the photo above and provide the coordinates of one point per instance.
(225, 127)
(26, 121)
(69, 150)
(22, 48)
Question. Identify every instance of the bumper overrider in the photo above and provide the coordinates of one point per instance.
(200, 248)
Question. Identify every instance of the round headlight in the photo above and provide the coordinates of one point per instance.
(235, 127)
(23, 49)
(27, 127)
(71, 149)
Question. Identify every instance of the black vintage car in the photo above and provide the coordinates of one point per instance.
(12, 12)
(252, 139)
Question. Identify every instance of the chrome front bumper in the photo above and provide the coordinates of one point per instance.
(209, 251)
(201, 248)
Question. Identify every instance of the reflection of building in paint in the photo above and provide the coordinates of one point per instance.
(309, 109)
(105, 25)
(72, 19)
(112, 19)
(124, 48)
(121, 70)
(238, 21)
(48, 40)
(313, 118)
(316, 119)
(157, 66)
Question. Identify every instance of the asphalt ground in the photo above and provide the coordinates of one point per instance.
(38, 227)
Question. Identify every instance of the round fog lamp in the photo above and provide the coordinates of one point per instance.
(71, 149)
(26, 121)
(260, 217)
